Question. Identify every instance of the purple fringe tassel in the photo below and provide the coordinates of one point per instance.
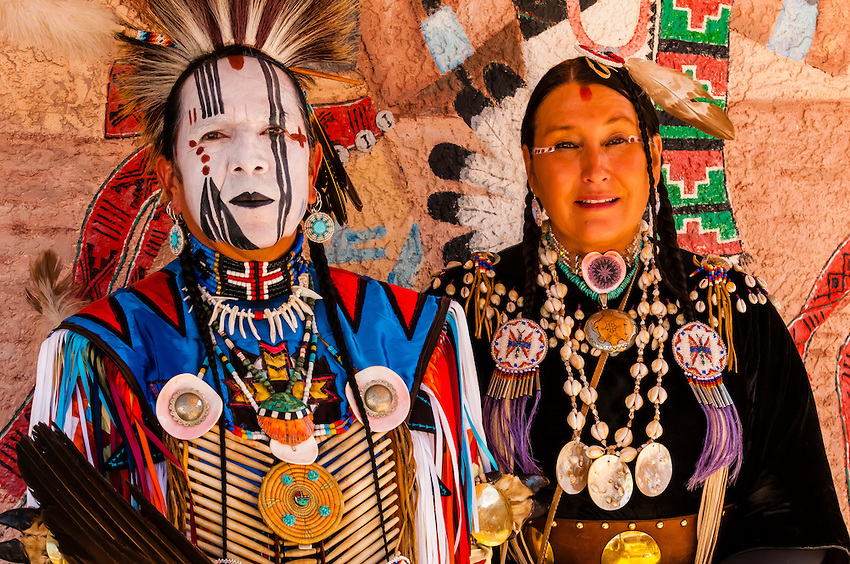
(723, 445)
(508, 427)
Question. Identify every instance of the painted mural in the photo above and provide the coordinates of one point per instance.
(429, 132)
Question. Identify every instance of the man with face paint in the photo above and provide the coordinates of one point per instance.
(243, 168)
(349, 407)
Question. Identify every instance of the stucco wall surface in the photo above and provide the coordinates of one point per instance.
(446, 176)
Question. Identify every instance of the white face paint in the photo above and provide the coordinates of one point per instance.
(242, 152)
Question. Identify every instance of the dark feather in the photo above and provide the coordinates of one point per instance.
(333, 182)
(90, 520)
(50, 294)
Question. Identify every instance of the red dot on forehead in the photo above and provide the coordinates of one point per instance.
(205, 170)
(585, 93)
(236, 61)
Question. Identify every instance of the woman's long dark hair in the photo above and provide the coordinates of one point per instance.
(667, 254)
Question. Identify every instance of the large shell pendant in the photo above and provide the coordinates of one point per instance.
(610, 482)
(572, 467)
(610, 331)
(653, 469)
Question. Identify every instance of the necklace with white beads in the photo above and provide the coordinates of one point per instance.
(603, 467)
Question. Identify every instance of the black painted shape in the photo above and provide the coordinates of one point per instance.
(702, 208)
(585, 4)
(442, 206)
(457, 248)
(536, 16)
(693, 144)
(447, 160)
(691, 48)
(431, 6)
(501, 80)
(469, 102)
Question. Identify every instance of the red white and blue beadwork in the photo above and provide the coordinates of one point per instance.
(700, 351)
(519, 346)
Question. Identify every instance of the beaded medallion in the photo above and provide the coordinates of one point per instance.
(319, 227)
(519, 346)
(699, 350)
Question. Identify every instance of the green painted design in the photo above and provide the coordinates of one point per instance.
(722, 221)
(683, 132)
(712, 192)
(674, 25)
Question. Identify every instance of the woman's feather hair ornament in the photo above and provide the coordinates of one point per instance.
(675, 92)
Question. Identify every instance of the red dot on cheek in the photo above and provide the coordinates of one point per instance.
(205, 170)
(205, 159)
(585, 93)
(199, 151)
(192, 143)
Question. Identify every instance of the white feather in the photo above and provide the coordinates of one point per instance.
(76, 29)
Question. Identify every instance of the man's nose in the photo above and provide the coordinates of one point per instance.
(251, 154)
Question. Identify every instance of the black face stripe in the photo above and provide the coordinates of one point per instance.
(209, 225)
(216, 81)
(208, 84)
(277, 115)
(217, 223)
(201, 94)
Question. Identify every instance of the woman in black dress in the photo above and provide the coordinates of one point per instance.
(658, 391)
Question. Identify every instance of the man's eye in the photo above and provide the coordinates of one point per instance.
(275, 130)
(212, 136)
(618, 140)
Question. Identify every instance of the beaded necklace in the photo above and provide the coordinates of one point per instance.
(602, 467)
(223, 276)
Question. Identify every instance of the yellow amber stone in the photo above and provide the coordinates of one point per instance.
(495, 518)
(632, 547)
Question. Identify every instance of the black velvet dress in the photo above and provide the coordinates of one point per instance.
(784, 496)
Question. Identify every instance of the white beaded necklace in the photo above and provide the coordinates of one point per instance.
(603, 467)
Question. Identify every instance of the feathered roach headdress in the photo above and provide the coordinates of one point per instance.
(298, 34)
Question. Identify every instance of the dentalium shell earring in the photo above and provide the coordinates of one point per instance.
(319, 226)
(176, 238)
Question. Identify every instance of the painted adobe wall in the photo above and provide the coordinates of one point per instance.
(446, 176)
